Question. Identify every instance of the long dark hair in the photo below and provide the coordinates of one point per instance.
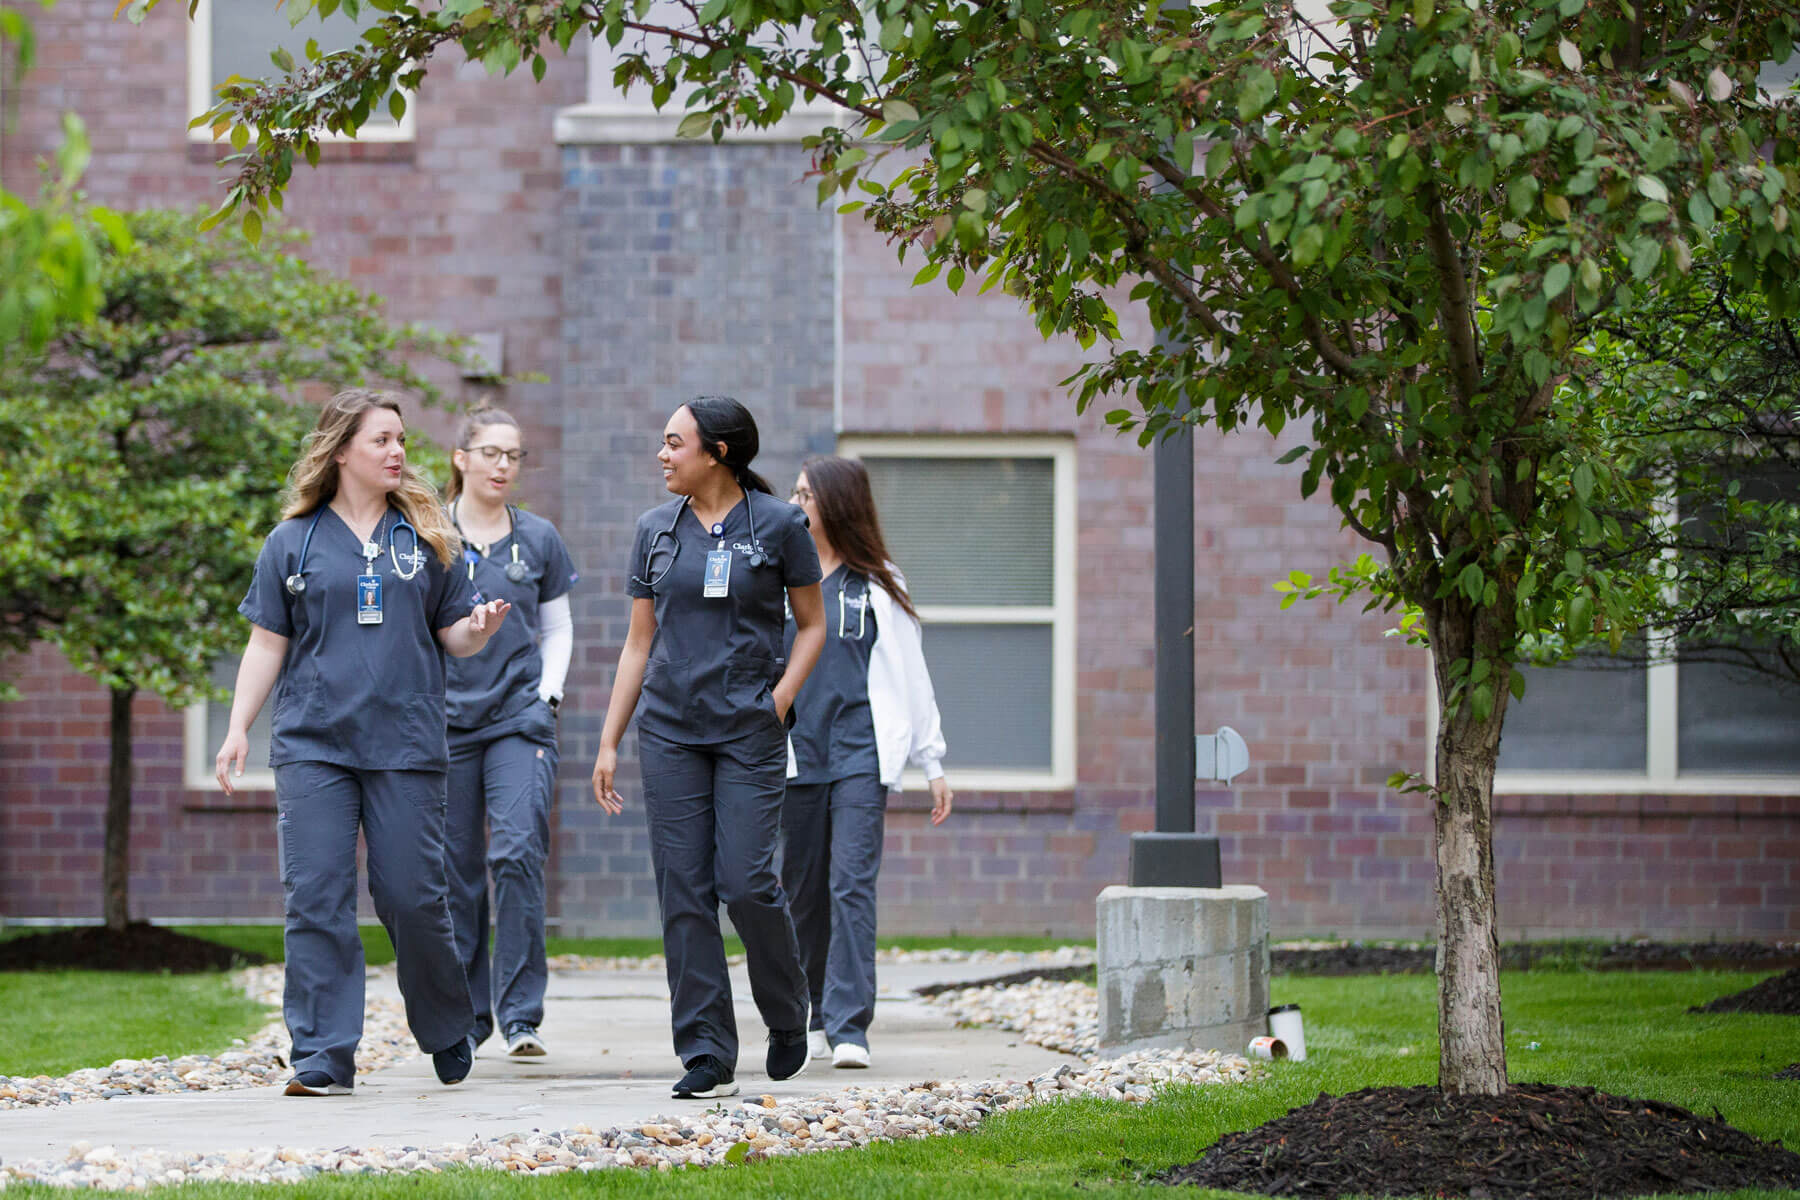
(840, 487)
(722, 419)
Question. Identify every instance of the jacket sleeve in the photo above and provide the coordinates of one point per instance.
(927, 749)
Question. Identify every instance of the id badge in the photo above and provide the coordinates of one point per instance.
(718, 575)
(368, 599)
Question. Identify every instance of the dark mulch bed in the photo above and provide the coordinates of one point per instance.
(138, 947)
(1776, 994)
(1538, 1141)
(1357, 959)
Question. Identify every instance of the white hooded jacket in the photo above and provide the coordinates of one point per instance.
(902, 704)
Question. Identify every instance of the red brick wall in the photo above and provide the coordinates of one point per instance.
(464, 228)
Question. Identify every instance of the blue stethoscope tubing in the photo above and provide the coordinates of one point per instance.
(296, 583)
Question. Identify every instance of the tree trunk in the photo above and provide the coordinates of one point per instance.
(115, 871)
(1471, 1033)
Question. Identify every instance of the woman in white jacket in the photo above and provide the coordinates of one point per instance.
(865, 713)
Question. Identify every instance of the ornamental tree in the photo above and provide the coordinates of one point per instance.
(1398, 228)
(146, 453)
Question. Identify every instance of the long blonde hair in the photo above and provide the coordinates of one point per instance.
(313, 479)
(481, 418)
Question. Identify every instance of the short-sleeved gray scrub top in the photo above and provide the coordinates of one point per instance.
(715, 661)
(364, 696)
(502, 680)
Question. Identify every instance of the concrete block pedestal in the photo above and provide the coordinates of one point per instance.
(1182, 968)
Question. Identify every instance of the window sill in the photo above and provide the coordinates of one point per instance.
(1626, 784)
(1741, 802)
(917, 798)
(616, 124)
(212, 153)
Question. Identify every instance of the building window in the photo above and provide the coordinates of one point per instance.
(613, 117)
(1681, 724)
(206, 724)
(984, 531)
(236, 37)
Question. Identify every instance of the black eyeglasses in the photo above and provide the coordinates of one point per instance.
(493, 454)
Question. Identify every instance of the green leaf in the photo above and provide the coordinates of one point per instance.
(896, 111)
(735, 1156)
(694, 125)
(1581, 616)
(1556, 280)
(1583, 479)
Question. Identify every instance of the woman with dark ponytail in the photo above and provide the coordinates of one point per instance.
(703, 668)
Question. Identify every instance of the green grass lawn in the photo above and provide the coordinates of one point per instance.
(58, 1021)
(1627, 1033)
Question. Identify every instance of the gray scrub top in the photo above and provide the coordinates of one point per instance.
(503, 679)
(714, 662)
(364, 696)
(834, 731)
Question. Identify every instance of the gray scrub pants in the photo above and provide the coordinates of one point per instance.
(502, 777)
(714, 814)
(319, 808)
(832, 855)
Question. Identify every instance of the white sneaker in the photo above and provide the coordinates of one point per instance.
(817, 1044)
(849, 1054)
(522, 1041)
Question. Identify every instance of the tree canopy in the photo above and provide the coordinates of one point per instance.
(1402, 228)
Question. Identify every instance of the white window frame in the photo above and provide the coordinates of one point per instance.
(1059, 614)
(609, 118)
(201, 98)
(1662, 768)
(198, 756)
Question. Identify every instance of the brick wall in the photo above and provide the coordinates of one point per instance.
(635, 276)
(702, 269)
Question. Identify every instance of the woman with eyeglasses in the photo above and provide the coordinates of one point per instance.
(355, 601)
(502, 714)
(865, 713)
(704, 669)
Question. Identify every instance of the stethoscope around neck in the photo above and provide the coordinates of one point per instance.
(651, 577)
(516, 571)
(296, 583)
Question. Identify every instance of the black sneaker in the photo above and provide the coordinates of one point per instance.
(707, 1078)
(315, 1083)
(452, 1065)
(787, 1052)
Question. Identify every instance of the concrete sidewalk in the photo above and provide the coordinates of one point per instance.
(610, 1064)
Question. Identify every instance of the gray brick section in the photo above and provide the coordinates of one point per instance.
(688, 269)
